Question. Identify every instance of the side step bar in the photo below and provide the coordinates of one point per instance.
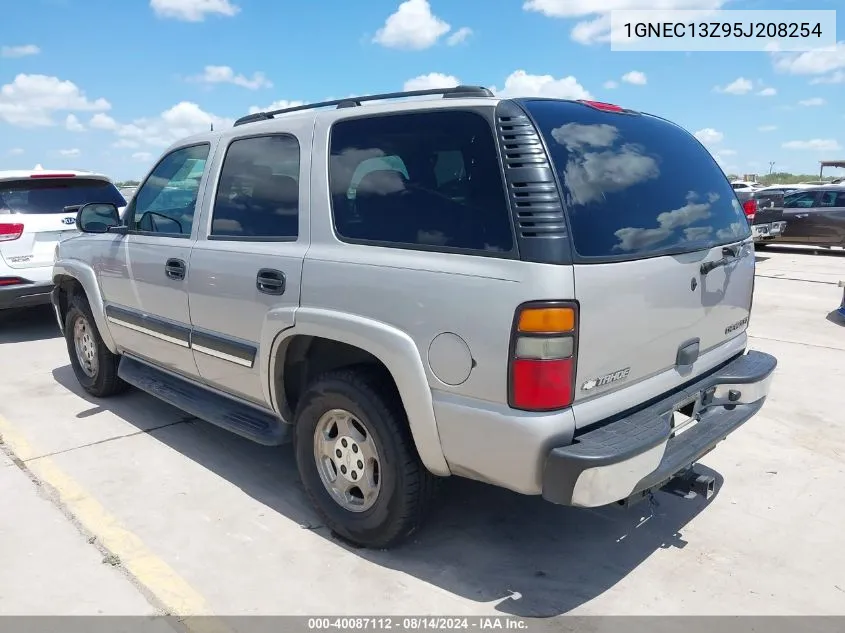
(250, 422)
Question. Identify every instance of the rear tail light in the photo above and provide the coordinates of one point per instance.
(601, 105)
(543, 356)
(52, 175)
(750, 208)
(11, 281)
(9, 232)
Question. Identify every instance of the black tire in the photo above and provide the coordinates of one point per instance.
(105, 381)
(407, 487)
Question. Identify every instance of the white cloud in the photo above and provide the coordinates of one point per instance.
(767, 92)
(281, 104)
(102, 121)
(834, 78)
(767, 128)
(709, 136)
(193, 10)
(459, 37)
(814, 62)
(816, 144)
(432, 80)
(520, 84)
(225, 75)
(16, 151)
(412, 27)
(635, 77)
(739, 86)
(727, 152)
(19, 51)
(73, 124)
(69, 153)
(183, 119)
(142, 156)
(31, 100)
(597, 29)
(815, 101)
(610, 85)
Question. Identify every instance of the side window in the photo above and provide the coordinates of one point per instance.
(828, 199)
(802, 200)
(429, 180)
(258, 193)
(167, 200)
(840, 199)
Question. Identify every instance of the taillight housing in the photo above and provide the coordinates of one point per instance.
(543, 353)
(11, 281)
(749, 207)
(9, 232)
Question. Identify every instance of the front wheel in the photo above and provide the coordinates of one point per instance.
(94, 365)
(357, 459)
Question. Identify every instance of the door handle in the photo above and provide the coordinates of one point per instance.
(801, 215)
(270, 281)
(175, 268)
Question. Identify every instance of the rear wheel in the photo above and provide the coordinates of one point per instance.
(94, 365)
(357, 459)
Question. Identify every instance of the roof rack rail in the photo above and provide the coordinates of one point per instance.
(456, 92)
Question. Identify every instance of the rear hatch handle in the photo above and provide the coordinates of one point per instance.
(729, 254)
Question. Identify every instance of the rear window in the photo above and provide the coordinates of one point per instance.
(52, 195)
(636, 186)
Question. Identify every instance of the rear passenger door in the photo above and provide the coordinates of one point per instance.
(797, 209)
(247, 263)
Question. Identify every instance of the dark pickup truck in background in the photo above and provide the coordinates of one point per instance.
(764, 210)
(814, 216)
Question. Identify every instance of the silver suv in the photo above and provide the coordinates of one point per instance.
(549, 296)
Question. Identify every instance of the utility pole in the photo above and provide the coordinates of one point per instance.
(771, 166)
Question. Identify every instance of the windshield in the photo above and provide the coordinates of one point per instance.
(636, 186)
(52, 195)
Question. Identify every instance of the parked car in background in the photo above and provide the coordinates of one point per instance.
(814, 216)
(745, 185)
(127, 192)
(763, 208)
(38, 210)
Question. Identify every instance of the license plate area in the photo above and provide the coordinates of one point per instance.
(685, 415)
(761, 229)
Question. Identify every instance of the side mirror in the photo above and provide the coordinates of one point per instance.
(97, 217)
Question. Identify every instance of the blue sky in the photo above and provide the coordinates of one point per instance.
(106, 85)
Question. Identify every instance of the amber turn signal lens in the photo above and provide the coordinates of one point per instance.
(547, 320)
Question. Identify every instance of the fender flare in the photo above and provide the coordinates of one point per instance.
(84, 274)
(392, 347)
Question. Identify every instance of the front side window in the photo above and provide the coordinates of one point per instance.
(167, 200)
(427, 180)
(258, 193)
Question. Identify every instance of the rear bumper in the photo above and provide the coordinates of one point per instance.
(767, 230)
(25, 295)
(640, 452)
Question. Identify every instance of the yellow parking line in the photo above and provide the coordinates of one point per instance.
(174, 593)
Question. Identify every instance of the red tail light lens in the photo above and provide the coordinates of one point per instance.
(53, 176)
(750, 208)
(600, 105)
(9, 232)
(10, 281)
(543, 356)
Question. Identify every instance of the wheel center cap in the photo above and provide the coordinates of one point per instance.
(348, 459)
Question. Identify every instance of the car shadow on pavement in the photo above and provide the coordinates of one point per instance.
(26, 325)
(835, 317)
(482, 543)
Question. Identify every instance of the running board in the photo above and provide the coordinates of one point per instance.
(244, 420)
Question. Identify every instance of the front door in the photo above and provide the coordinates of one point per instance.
(145, 278)
(826, 223)
(247, 262)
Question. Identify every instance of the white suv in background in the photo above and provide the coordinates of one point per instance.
(38, 209)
